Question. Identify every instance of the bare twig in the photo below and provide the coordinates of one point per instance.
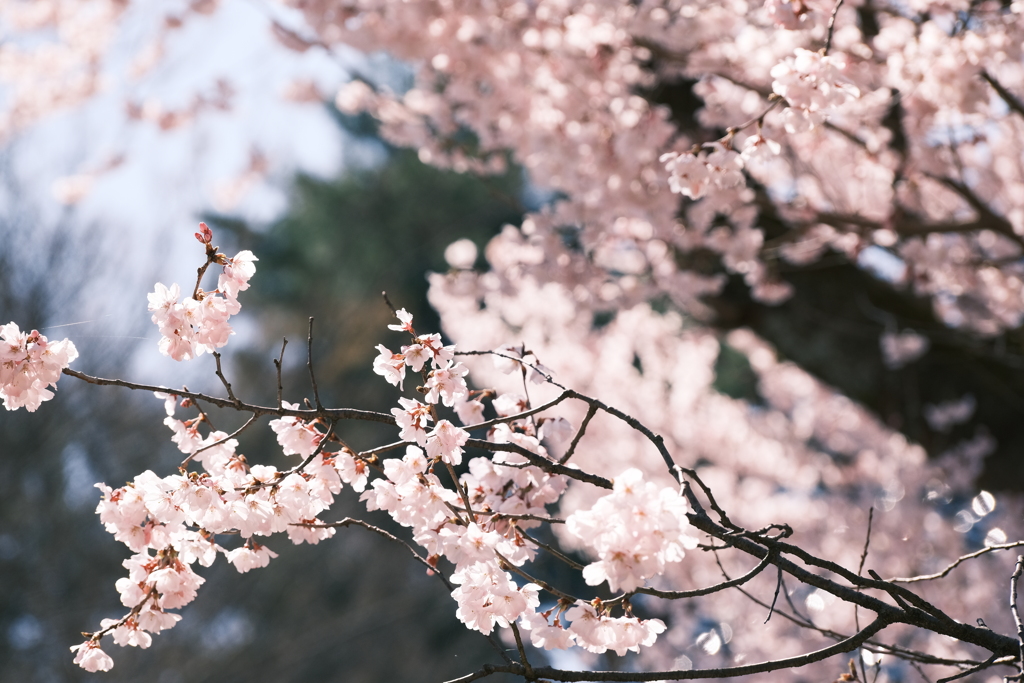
(319, 449)
(462, 491)
(519, 416)
(211, 257)
(522, 652)
(1017, 570)
(775, 599)
(967, 672)
(860, 569)
(486, 671)
(828, 39)
(867, 541)
(330, 413)
(1012, 101)
(388, 302)
(227, 438)
(224, 380)
(309, 364)
(543, 463)
(730, 583)
(848, 645)
(532, 579)
(591, 412)
(277, 363)
(551, 549)
(956, 563)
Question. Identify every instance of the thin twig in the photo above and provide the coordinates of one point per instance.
(867, 541)
(462, 491)
(277, 363)
(960, 560)
(730, 583)
(543, 463)
(967, 672)
(227, 438)
(860, 569)
(848, 645)
(775, 599)
(211, 257)
(309, 364)
(828, 39)
(319, 449)
(1012, 101)
(224, 380)
(531, 579)
(519, 416)
(591, 412)
(330, 413)
(388, 302)
(1017, 571)
(522, 651)
(551, 549)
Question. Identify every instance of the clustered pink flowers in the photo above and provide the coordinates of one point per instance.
(813, 85)
(635, 530)
(199, 324)
(29, 365)
(172, 523)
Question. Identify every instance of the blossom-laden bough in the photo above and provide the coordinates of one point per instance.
(478, 530)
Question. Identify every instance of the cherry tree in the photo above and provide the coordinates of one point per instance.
(715, 537)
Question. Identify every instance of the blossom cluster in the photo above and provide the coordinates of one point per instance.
(29, 365)
(636, 530)
(199, 324)
(174, 522)
(507, 495)
(813, 85)
(171, 522)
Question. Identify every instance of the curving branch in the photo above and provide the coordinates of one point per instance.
(330, 413)
(848, 645)
(956, 563)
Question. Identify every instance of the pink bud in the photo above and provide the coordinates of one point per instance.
(205, 235)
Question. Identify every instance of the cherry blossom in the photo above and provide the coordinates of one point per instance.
(635, 530)
(199, 324)
(488, 597)
(90, 657)
(29, 364)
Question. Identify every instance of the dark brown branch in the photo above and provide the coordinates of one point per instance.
(967, 672)
(519, 416)
(522, 653)
(1012, 101)
(848, 645)
(319, 449)
(309, 364)
(915, 616)
(675, 595)
(331, 413)
(227, 438)
(224, 380)
(505, 564)
(277, 363)
(591, 411)
(551, 549)
(543, 463)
